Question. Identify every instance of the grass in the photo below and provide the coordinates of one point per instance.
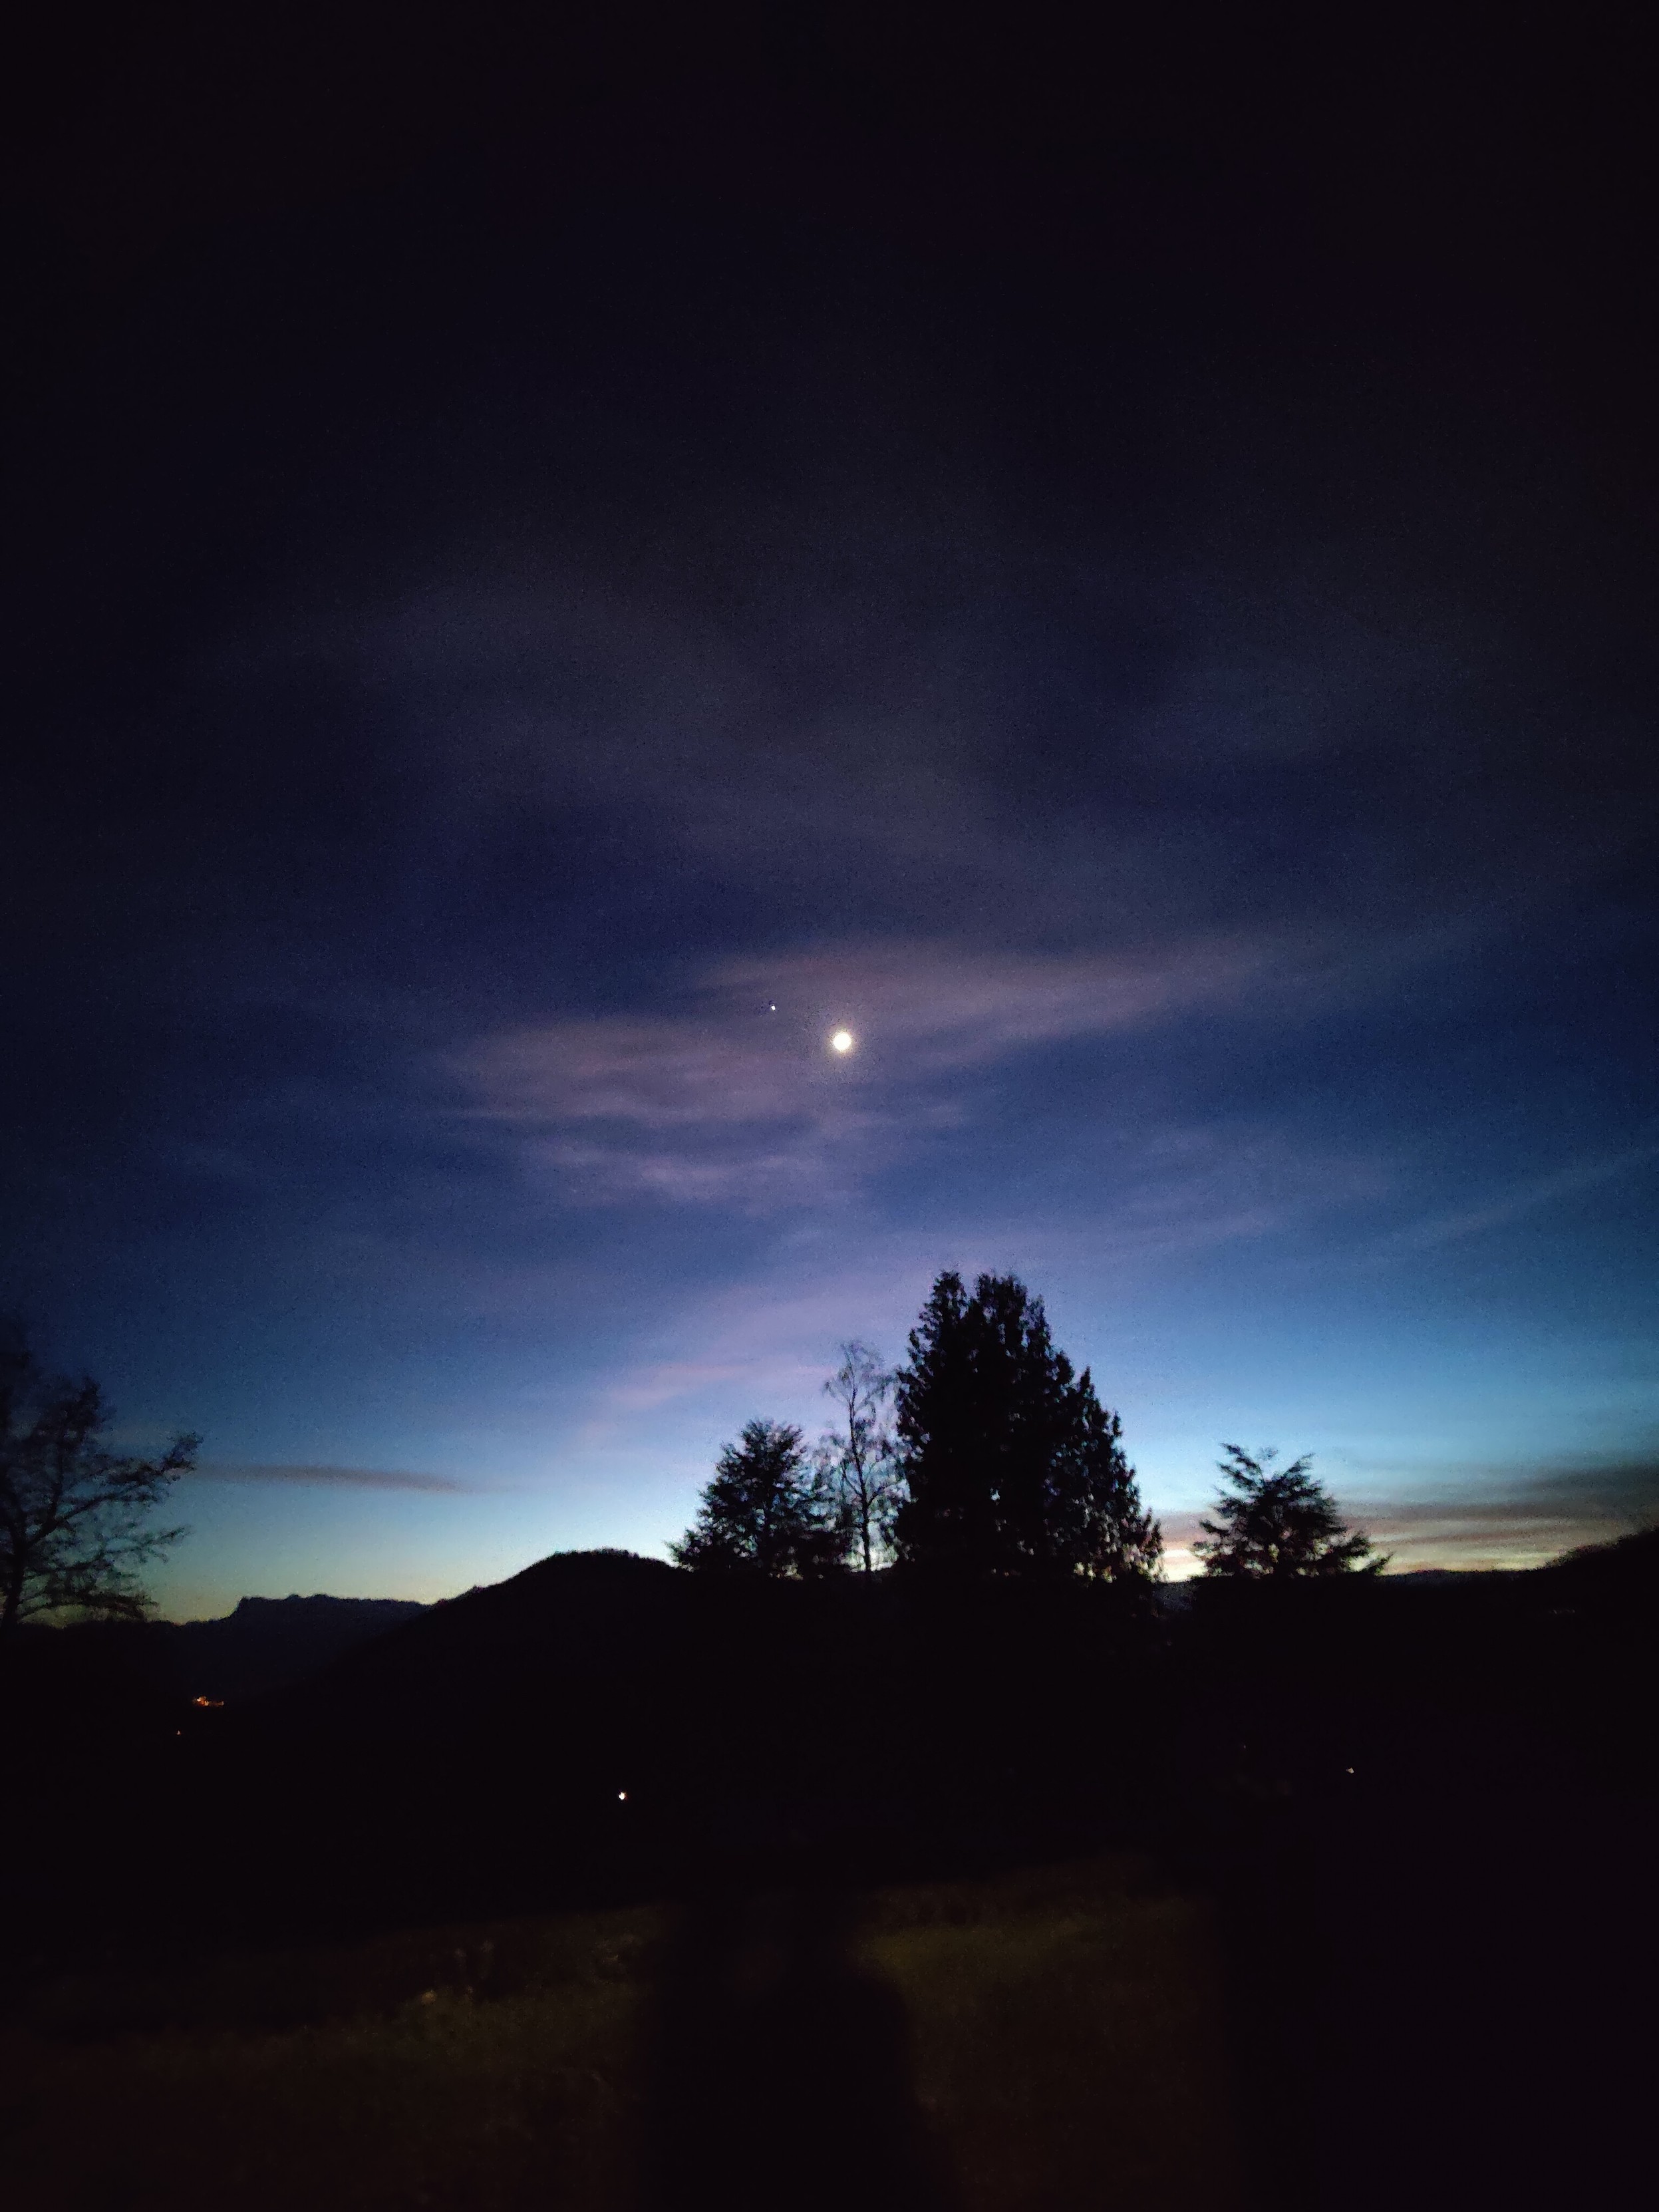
(1063, 2028)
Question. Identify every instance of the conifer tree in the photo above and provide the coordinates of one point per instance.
(1102, 1528)
(1274, 1523)
(1012, 1464)
(765, 1510)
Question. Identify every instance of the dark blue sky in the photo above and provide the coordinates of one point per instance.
(527, 615)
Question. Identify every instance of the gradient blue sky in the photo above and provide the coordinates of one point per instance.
(1175, 682)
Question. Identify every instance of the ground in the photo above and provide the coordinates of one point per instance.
(1044, 2039)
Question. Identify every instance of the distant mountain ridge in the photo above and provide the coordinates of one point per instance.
(270, 1643)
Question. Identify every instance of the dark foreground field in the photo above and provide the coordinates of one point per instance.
(1044, 2039)
(611, 1885)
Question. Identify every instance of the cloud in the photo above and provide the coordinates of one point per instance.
(1522, 1199)
(919, 1009)
(735, 1098)
(731, 1099)
(333, 1477)
(900, 691)
(1521, 1518)
(1533, 1514)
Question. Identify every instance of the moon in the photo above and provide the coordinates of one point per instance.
(841, 1041)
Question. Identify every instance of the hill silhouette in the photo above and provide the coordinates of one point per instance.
(268, 1643)
(601, 1722)
(1384, 1785)
(602, 1725)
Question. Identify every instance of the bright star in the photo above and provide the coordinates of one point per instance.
(841, 1041)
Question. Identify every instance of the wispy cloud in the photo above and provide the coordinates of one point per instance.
(766, 1342)
(751, 1047)
(736, 1098)
(328, 1478)
(1518, 1517)
(1520, 1199)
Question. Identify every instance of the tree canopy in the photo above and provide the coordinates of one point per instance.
(1010, 1462)
(767, 1510)
(74, 1517)
(1275, 1524)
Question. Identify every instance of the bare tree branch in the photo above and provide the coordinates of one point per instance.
(857, 1455)
(74, 1519)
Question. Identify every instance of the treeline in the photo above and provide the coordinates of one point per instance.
(985, 1453)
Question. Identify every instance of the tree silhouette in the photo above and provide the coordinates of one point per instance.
(766, 1510)
(1100, 1528)
(1275, 1524)
(72, 1515)
(857, 1455)
(1011, 1463)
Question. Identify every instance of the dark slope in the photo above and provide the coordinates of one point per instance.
(575, 1636)
(472, 1759)
(268, 1643)
(602, 1724)
(1458, 1937)
(621, 1668)
(606, 1725)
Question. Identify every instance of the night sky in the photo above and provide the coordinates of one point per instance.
(541, 582)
